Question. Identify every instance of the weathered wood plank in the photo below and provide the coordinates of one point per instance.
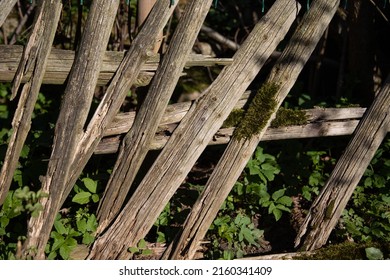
(60, 62)
(136, 143)
(193, 134)
(34, 57)
(71, 120)
(327, 208)
(328, 128)
(281, 79)
(5, 8)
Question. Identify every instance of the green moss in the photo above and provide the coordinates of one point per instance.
(234, 118)
(287, 117)
(345, 251)
(259, 111)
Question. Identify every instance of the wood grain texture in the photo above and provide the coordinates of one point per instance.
(5, 8)
(34, 58)
(70, 123)
(238, 152)
(60, 62)
(327, 208)
(193, 134)
(136, 143)
(322, 122)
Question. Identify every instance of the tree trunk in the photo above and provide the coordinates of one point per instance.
(191, 137)
(137, 142)
(233, 161)
(34, 59)
(71, 120)
(328, 206)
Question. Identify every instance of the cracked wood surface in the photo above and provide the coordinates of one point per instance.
(327, 208)
(238, 152)
(34, 59)
(322, 122)
(136, 143)
(193, 134)
(69, 127)
(60, 62)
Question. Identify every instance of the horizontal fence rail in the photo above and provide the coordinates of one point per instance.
(60, 63)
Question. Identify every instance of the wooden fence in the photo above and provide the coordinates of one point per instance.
(191, 126)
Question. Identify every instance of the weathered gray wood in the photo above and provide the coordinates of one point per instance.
(194, 132)
(176, 112)
(34, 57)
(233, 161)
(116, 92)
(325, 128)
(60, 62)
(334, 196)
(5, 8)
(73, 114)
(136, 143)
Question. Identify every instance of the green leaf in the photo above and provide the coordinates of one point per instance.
(52, 255)
(65, 252)
(133, 250)
(285, 200)
(277, 214)
(147, 252)
(253, 169)
(282, 207)
(373, 253)
(161, 237)
(60, 228)
(95, 197)
(228, 254)
(386, 199)
(240, 188)
(278, 194)
(88, 239)
(82, 198)
(92, 223)
(58, 243)
(90, 184)
(82, 225)
(142, 244)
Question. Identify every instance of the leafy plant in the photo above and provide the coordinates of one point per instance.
(238, 232)
(141, 249)
(86, 193)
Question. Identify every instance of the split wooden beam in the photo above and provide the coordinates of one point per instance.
(34, 59)
(328, 206)
(60, 62)
(71, 120)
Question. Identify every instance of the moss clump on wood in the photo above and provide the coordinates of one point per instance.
(345, 251)
(259, 111)
(287, 117)
(234, 118)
